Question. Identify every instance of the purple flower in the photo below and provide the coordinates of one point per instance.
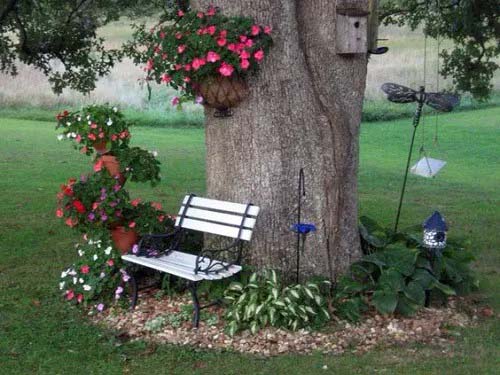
(119, 290)
(103, 190)
(83, 178)
(113, 204)
(116, 187)
(135, 249)
(198, 99)
(104, 217)
(103, 196)
(100, 307)
(91, 216)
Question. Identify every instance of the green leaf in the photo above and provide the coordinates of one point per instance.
(234, 286)
(275, 293)
(392, 280)
(423, 277)
(254, 327)
(310, 310)
(274, 277)
(253, 278)
(406, 306)
(415, 292)
(294, 293)
(308, 292)
(318, 300)
(449, 291)
(385, 301)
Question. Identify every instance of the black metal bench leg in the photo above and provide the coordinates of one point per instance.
(132, 287)
(193, 287)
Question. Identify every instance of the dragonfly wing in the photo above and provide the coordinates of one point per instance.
(399, 94)
(442, 101)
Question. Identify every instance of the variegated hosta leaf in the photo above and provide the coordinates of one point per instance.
(294, 294)
(253, 278)
(235, 286)
(275, 293)
(254, 327)
(242, 298)
(308, 292)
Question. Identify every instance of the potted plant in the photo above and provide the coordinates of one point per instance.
(97, 127)
(202, 53)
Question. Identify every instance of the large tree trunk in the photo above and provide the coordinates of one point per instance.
(304, 111)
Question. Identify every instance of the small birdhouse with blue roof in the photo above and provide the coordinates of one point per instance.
(435, 229)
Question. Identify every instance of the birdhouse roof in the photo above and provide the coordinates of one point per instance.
(436, 222)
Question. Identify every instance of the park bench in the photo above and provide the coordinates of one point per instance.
(164, 252)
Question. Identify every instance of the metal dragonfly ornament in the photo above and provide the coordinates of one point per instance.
(443, 102)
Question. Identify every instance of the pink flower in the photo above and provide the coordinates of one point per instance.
(110, 262)
(135, 249)
(221, 42)
(100, 307)
(187, 67)
(211, 11)
(255, 30)
(149, 65)
(98, 165)
(211, 29)
(165, 78)
(249, 43)
(187, 79)
(267, 30)
(259, 55)
(131, 224)
(180, 13)
(212, 56)
(198, 63)
(78, 138)
(79, 298)
(181, 48)
(93, 126)
(101, 135)
(70, 295)
(226, 69)
(85, 269)
(177, 66)
(243, 38)
(92, 137)
(59, 213)
(244, 63)
(175, 101)
(200, 15)
(178, 35)
(244, 55)
(162, 35)
(232, 47)
(135, 202)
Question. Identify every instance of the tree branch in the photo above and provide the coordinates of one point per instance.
(9, 8)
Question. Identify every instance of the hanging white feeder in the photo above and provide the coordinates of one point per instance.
(427, 167)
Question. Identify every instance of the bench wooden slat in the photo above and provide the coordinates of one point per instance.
(214, 204)
(181, 265)
(199, 213)
(220, 229)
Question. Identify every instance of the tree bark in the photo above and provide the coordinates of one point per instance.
(303, 111)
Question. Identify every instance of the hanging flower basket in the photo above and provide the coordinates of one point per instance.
(223, 92)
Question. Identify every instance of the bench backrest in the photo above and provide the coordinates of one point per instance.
(228, 219)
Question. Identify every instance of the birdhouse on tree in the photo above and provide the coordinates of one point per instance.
(435, 229)
(356, 27)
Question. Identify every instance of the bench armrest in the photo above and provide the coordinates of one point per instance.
(215, 260)
(154, 245)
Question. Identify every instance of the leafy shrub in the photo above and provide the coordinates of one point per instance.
(139, 165)
(263, 301)
(397, 270)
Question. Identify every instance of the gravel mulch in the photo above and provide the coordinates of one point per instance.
(429, 325)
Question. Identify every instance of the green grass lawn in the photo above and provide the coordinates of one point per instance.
(39, 333)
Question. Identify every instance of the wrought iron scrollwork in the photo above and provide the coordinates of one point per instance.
(216, 260)
(155, 245)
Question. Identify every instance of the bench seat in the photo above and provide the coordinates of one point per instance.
(182, 265)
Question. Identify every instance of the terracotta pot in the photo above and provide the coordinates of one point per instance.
(124, 239)
(223, 92)
(112, 165)
(100, 147)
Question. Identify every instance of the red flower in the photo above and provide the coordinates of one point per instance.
(131, 224)
(67, 190)
(79, 206)
(255, 30)
(156, 205)
(249, 43)
(161, 218)
(78, 138)
(59, 212)
(223, 33)
(149, 65)
(70, 222)
(85, 269)
(65, 113)
(226, 69)
(244, 55)
(135, 202)
(221, 42)
(114, 137)
(110, 262)
(259, 55)
(166, 78)
(92, 137)
(95, 205)
(244, 63)
(98, 165)
(232, 47)
(212, 56)
(79, 298)
(243, 38)
(162, 35)
(84, 150)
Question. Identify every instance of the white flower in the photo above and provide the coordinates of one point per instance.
(115, 109)
(75, 280)
(109, 122)
(102, 275)
(95, 257)
(81, 281)
(79, 118)
(87, 287)
(72, 272)
(68, 123)
(61, 285)
(88, 117)
(108, 250)
(90, 122)
(91, 242)
(154, 153)
(60, 137)
(81, 253)
(64, 274)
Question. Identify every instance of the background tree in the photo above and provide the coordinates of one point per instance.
(472, 25)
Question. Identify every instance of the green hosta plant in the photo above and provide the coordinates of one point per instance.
(264, 301)
(396, 272)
